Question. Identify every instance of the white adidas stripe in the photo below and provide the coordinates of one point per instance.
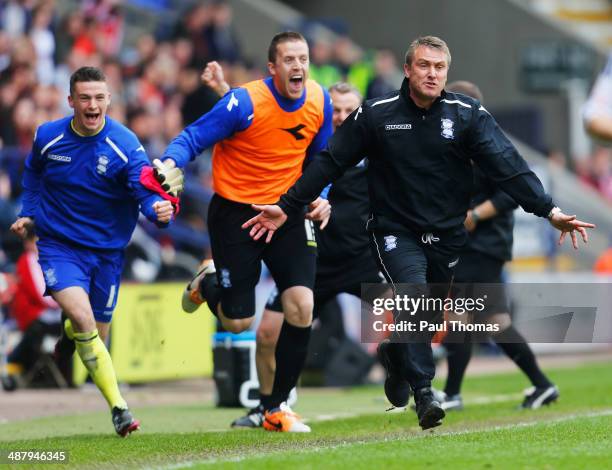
(46, 147)
(116, 149)
(461, 103)
(388, 100)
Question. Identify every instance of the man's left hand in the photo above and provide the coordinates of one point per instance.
(269, 219)
(569, 224)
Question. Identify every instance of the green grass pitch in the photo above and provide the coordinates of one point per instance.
(350, 429)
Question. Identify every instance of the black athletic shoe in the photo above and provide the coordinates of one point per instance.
(124, 422)
(429, 411)
(540, 396)
(397, 388)
(63, 352)
(253, 419)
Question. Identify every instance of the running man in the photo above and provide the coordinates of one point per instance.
(82, 193)
(262, 132)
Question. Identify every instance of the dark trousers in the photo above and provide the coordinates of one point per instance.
(417, 258)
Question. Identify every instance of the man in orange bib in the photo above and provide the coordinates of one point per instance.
(262, 133)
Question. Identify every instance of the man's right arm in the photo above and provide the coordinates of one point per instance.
(232, 113)
(345, 149)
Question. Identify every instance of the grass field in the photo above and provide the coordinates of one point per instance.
(351, 430)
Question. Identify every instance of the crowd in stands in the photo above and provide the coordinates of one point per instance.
(156, 90)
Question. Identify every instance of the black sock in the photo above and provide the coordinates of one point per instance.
(459, 355)
(210, 290)
(290, 355)
(515, 347)
(264, 398)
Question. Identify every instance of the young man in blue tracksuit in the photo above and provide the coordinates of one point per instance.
(82, 192)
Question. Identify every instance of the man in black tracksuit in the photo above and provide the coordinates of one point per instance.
(419, 141)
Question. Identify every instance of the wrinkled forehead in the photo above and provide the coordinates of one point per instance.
(430, 54)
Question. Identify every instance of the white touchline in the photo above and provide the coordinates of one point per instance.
(520, 424)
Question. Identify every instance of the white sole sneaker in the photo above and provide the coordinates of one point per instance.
(191, 299)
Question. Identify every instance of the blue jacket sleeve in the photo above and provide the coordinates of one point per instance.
(232, 113)
(325, 131)
(31, 181)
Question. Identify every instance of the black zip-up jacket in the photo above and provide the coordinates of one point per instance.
(493, 236)
(419, 173)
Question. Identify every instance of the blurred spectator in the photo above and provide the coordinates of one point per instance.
(199, 99)
(111, 32)
(597, 172)
(353, 65)
(35, 314)
(388, 77)
(86, 41)
(223, 44)
(44, 43)
(148, 128)
(69, 29)
(322, 70)
(16, 17)
(193, 27)
(598, 109)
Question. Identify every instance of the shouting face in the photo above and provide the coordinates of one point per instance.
(90, 101)
(290, 69)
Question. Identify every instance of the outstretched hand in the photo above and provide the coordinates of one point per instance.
(269, 220)
(569, 224)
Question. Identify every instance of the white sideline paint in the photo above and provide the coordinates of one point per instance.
(520, 424)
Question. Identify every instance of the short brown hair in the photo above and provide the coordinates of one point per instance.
(86, 74)
(465, 88)
(343, 88)
(427, 41)
(280, 38)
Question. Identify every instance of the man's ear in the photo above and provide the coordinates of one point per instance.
(271, 69)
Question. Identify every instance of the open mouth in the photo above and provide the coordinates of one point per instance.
(296, 82)
(92, 118)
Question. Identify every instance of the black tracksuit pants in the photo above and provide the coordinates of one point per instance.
(417, 258)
